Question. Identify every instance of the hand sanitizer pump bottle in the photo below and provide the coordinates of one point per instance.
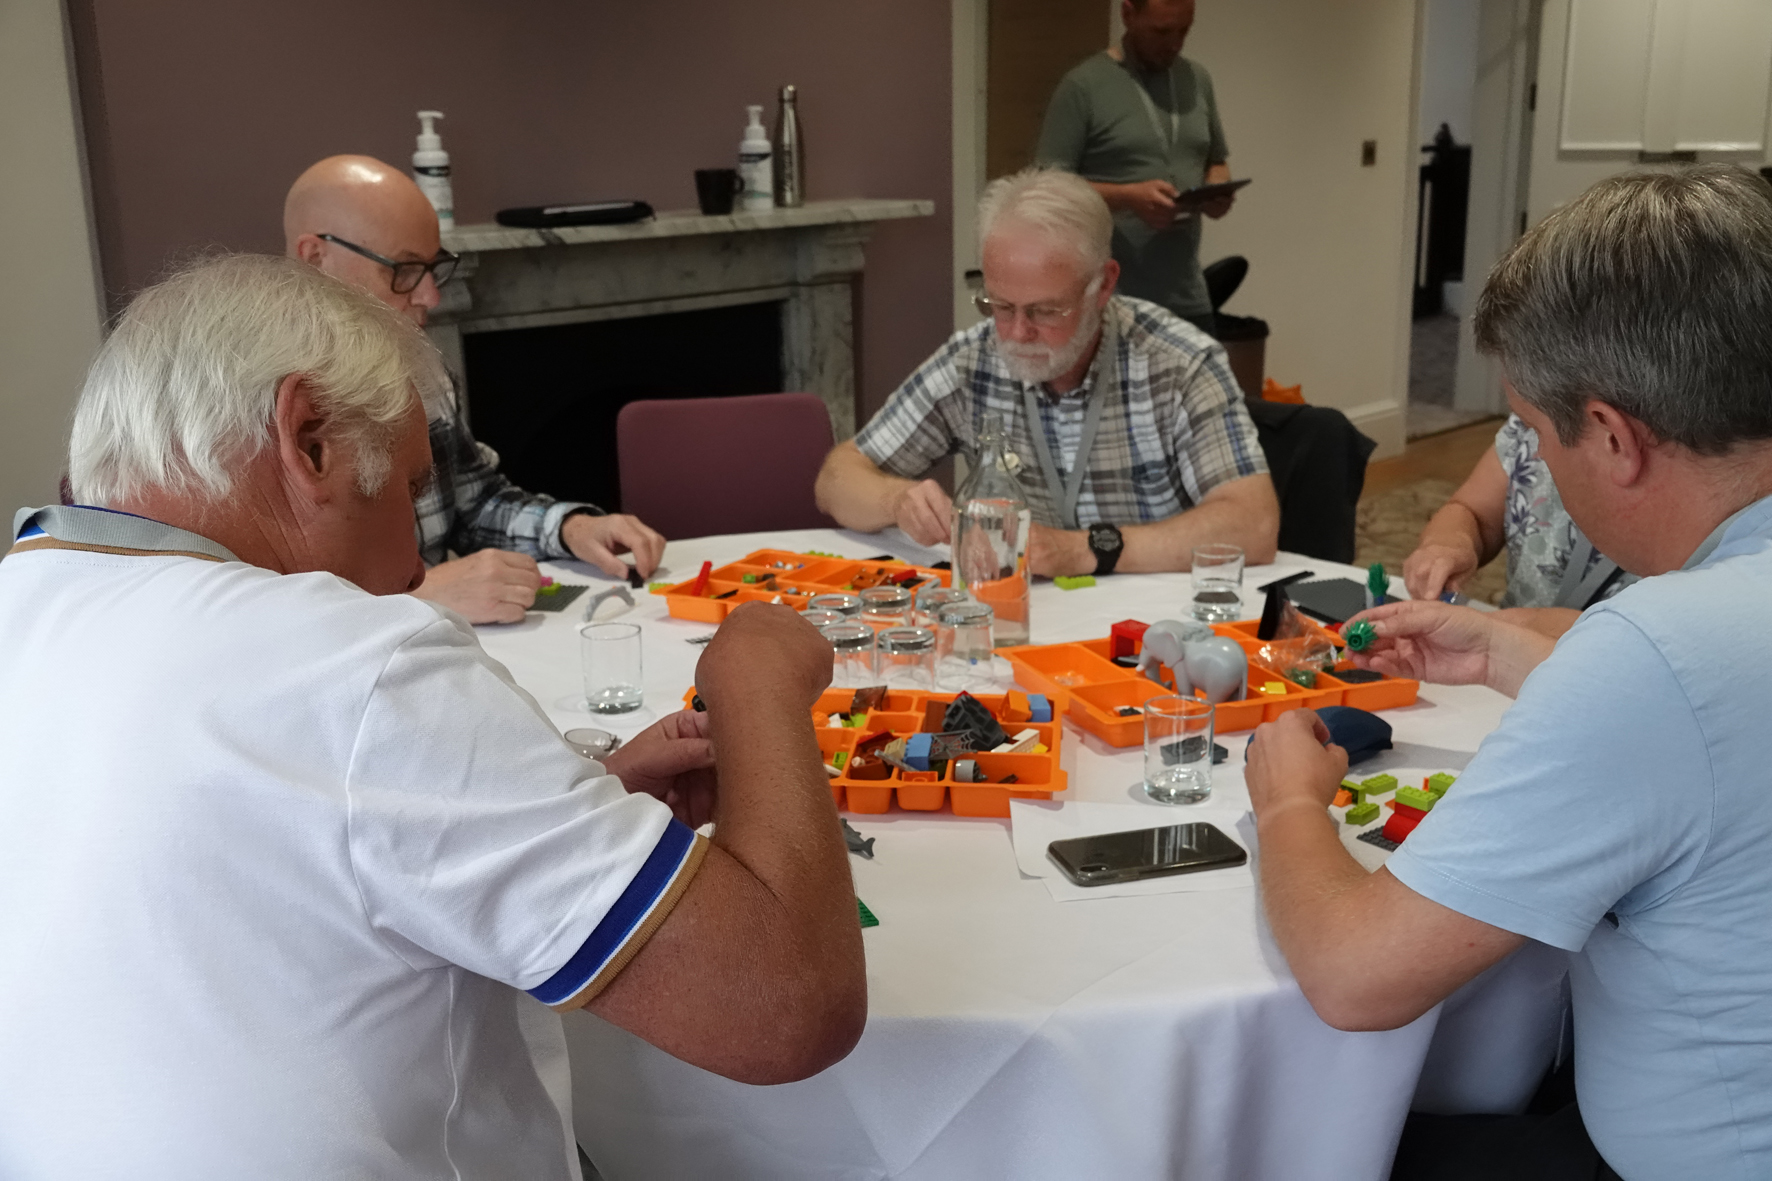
(755, 171)
(992, 524)
(430, 168)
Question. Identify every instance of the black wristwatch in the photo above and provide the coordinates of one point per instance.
(1105, 543)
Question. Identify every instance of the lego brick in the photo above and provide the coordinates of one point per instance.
(1124, 638)
(1436, 785)
(1375, 836)
(1039, 707)
(1074, 582)
(1399, 826)
(1015, 707)
(1343, 798)
(969, 715)
(1364, 813)
(1406, 810)
(1360, 634)
(866, 915)
(1416, 798)
(1379, 783)
(1021, 743)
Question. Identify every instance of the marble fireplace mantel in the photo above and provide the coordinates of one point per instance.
(679, 261)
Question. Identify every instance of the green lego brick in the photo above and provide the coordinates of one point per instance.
(1379, 783)
(1353, 787)
(1437, 784)
(749, 578)
(1074, 582)
(1307, 677)
(867, 916)
(1362, 813)
(838, 759)
(658, 588)
(1416, 798)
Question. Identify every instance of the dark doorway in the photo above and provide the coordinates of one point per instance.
(546, 398)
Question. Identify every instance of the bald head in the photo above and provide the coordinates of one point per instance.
(371, 205)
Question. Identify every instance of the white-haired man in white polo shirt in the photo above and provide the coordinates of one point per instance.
(280, 846)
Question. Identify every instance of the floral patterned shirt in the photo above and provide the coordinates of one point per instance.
(1540, 535)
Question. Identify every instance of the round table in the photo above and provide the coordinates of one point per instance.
(1011, 1035)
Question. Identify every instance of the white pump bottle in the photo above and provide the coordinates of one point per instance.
(755, 169)
(430, 168)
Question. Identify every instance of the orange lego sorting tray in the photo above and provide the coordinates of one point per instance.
(797, 578)
(1098, 688)
(901, 714)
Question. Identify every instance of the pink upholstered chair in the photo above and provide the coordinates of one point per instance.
(693, 467)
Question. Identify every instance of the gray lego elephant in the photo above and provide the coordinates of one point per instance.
(1197, 658)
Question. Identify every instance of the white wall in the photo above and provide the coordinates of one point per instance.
(1330, 243)
(49, 292)
(1449, 67)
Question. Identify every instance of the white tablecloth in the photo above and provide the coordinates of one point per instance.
(1013, 1036)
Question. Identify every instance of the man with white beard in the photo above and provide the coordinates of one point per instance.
(1132, 439)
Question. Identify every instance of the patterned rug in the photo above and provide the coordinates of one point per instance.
(1388, 525)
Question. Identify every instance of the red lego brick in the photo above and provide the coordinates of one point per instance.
(1124, 637)
(1399, 826)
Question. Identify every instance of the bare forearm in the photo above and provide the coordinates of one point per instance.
(1313, 892)
(1249, 519)
(1455, 526)
(1514, 651)
(1550, 622)
(856, 493)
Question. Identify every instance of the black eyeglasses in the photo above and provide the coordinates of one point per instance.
(407, 275)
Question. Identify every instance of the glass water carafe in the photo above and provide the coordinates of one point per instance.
(990, 536)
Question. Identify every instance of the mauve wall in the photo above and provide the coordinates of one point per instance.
(199, 114)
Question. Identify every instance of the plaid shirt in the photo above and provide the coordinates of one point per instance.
(1175, 429)
(469, 506)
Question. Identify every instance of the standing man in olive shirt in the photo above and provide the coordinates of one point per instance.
(1140, 123)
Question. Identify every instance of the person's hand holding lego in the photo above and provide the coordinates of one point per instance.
(1436, 567)
(1291, 762)
(672, 761)
(487, 586)
(925, 513)
(1429, 641)
(598, 540)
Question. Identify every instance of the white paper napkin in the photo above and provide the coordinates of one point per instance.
(1034, 824)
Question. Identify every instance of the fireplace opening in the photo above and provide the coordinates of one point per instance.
(546, 398)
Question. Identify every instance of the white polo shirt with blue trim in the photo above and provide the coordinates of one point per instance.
(276, 859)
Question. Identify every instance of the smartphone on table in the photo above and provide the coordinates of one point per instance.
(1145, 853)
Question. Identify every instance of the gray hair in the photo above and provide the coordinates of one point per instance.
(1651, 292)
(1057, 202)
(184, 390)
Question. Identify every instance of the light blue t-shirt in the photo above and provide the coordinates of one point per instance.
(1623, 811)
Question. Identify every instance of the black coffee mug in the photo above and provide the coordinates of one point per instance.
(715, 189)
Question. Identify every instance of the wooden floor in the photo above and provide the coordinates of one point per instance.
(1449, 456)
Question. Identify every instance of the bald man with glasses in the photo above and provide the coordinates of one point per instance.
(367, 223)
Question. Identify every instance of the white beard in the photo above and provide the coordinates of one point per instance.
(1037, 363)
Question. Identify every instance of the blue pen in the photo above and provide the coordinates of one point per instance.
(1453, 597)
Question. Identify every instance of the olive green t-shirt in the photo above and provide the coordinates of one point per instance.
(1098, 127)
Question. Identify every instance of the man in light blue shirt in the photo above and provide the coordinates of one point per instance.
(1623, 809)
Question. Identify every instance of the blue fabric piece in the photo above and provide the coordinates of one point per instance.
(1361, 733)
(629, 911)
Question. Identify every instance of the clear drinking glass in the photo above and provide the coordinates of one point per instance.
(852, 662)
(905, 658)
(886, 606)
(1218, 583)
(842, 602)
(821, 617)
(991, 527)
(611, 656)
(963, 656)
(930, 601)
(1178, 750)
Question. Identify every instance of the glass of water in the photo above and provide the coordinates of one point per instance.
(1178, 750)
(1218, 583)
(852, 655)
(611, 656)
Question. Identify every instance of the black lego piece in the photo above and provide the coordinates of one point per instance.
(968, 713)
(634, 578)
(1375, 836)
(1358, 676)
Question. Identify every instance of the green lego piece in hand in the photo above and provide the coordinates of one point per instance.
(1364, 813)
(1360, 634)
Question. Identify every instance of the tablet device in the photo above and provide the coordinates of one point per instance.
(1192, 199)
